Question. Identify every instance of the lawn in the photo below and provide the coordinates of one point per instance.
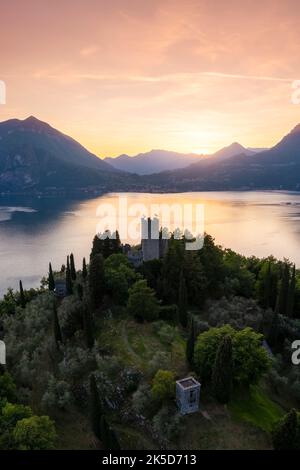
(256, 408)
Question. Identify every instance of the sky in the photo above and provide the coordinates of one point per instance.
(126, 76)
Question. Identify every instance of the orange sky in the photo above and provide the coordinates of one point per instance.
(125, 76)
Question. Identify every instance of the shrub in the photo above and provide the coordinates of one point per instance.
(163, 386)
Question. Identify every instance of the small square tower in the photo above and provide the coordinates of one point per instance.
(188, 395)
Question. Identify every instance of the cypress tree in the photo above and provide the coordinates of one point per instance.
(105, 433)
(95, 407)
(118, 245)
(96, 280)
(22, 296)
(107, 246)
(51, 283)
(69, 286)
(274, 329)
(182, 301)
(72, 267)
(113, 440)
(190, 345)
(286, 433)
(56, 327)
(97, 247)
(84, 269)
(80, 291)
(291, 294)
(284, 290)
(222, 371)
(267, 287)
(88, 327)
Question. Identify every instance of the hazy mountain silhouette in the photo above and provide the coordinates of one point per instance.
(276, 168)
(157, 161)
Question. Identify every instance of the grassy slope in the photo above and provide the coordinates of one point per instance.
(245, 424)
(256, 408)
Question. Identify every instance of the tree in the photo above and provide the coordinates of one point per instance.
(163, 385)
(182, 301)
(84, 269)
(69, 284)
(284, 290)
(80, 291)
(95, 407)
(51, 282)
(113, 440)
(206, 346)
(274, 328)
(250, 359)
(56, 327)
(190, 345)
(7, 387)
(267, 287)
(222, 371)
(35, 433)
(104, 432)
(286, 434)
(22, 296)
(291, 294)
(96, 280)
(88, 327)
(72, 267)
(142, 303)
(106, 244)
(10, 415)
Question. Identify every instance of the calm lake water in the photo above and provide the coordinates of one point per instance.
(36, 231)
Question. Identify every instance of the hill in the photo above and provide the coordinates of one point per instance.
(35, 156)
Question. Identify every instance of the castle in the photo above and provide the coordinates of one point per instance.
(153, 244)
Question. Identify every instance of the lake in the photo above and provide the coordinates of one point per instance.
(36, 231)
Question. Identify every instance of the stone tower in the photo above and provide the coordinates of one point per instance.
(150, 239)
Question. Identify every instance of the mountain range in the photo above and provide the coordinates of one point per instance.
(36, 158)
(276, 168)
(157, 161)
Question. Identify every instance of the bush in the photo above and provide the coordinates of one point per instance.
(163, 386)
(35, 433)
(167, 424)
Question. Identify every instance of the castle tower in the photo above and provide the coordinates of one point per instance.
(150, 239)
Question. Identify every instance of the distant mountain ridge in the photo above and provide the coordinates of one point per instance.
(275, 168)
(157, 161)
(154, 161)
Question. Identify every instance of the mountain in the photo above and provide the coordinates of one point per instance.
(276, 168)
(154, 161)
(157, 161)
(35, 156)
(230, 151)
